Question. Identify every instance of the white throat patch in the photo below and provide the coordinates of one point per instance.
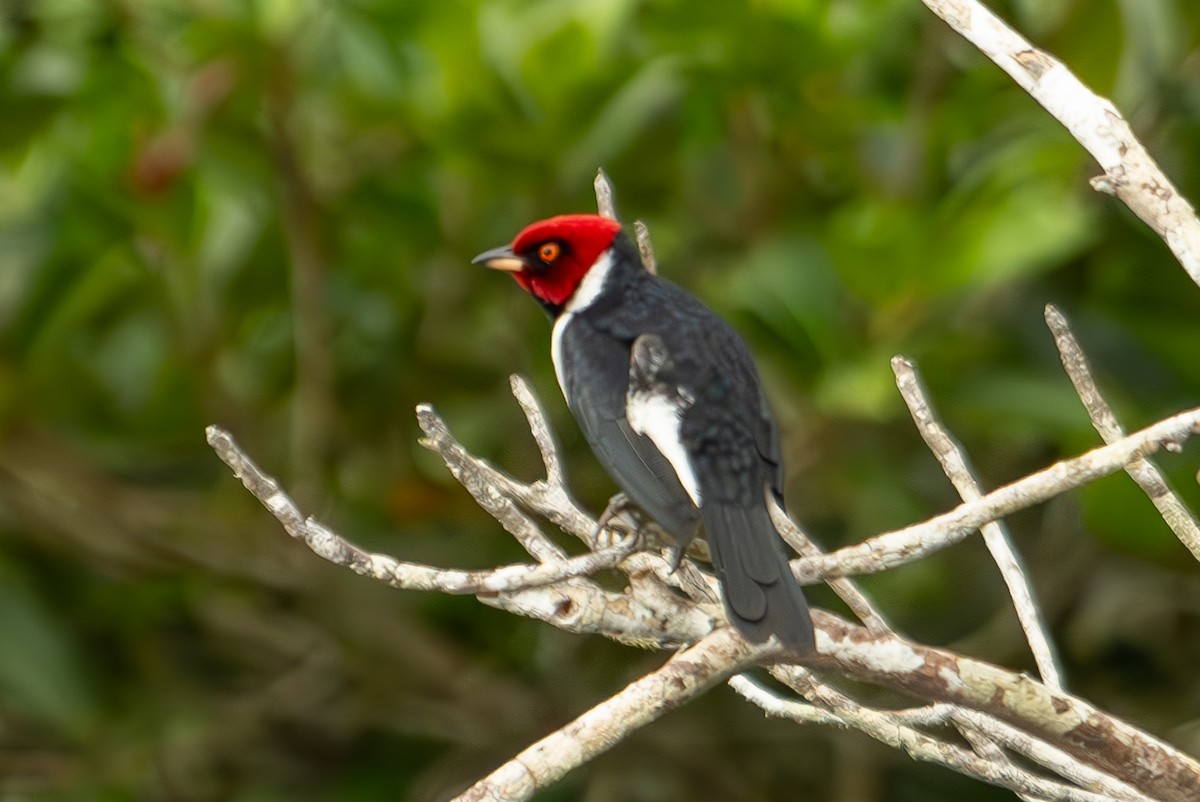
(590, 286)
(585, 294)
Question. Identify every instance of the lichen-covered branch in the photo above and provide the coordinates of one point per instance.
(987, 763)
(1087, 734)
(1068, 723)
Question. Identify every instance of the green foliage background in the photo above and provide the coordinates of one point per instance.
(260, 214)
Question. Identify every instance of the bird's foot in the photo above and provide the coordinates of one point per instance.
(620, 524)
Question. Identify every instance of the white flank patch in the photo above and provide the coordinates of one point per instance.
(585, 294)
(658, 417)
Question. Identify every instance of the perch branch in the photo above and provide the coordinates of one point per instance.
(583, 608)
(1130, 174)
(649, 613)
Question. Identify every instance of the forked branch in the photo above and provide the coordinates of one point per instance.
(984, 721)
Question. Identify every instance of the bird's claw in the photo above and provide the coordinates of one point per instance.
(674, 555)
(619, 524)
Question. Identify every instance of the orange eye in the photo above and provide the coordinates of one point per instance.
(549, 252)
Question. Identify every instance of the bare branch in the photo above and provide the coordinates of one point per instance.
(954, 463)
(911, 543)
(987, 749)
(1142, 471)
(999, 734)
(777, 706)
(1130, 173)
(683, 677)
(650, 614)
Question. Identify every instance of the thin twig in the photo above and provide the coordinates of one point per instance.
(1142, 471)
(489, 487)
(604, 195)
(911, 543)
(540, 429)
(1003, 734)
(777, 706)
(645, 247)
(995, 535)
(1130, 173)
(547, 498)
(987, 749)
(399, 574)
(846, 589)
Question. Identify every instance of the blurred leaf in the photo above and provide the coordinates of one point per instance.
(42, 673)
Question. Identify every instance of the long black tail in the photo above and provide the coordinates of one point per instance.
(761, 595)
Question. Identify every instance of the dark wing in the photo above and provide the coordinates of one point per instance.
(596, 378)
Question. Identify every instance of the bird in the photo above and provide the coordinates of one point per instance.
(670, 402)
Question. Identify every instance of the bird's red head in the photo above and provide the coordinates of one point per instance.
(549, 258)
